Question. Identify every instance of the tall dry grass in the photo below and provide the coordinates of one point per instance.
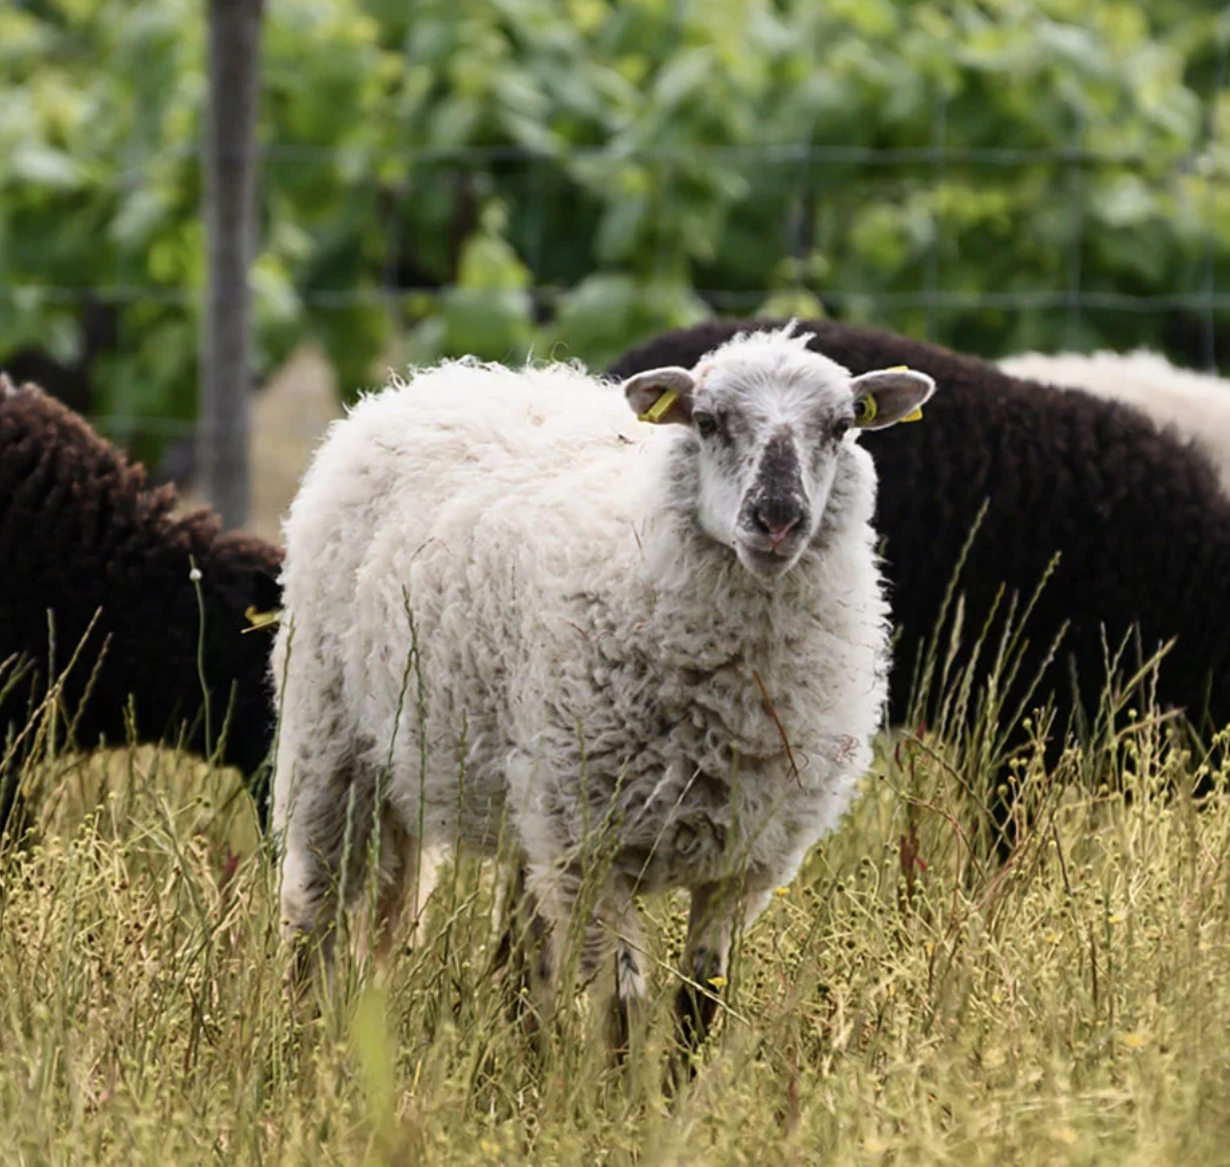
(910, 999)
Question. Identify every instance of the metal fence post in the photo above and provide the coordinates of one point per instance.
(229, 192)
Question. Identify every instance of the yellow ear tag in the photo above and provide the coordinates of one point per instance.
(868, 412)
(914, 414)
(659, 409)
(260, 619)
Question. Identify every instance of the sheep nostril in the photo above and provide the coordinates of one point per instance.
(776, 521)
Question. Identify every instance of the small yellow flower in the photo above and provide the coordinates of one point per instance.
(1137, 1039)
(1117, 918)
(718, 982)
(781, 891)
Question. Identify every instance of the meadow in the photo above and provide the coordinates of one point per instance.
(908, 999)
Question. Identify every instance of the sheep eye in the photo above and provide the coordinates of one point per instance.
(706, 424)
(841, 427)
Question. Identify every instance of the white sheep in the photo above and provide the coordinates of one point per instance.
(657, 652)
(1195, 407)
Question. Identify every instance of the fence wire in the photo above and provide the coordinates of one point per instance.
(1069, 164)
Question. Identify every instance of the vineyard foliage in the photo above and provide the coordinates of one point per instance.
(506, 177)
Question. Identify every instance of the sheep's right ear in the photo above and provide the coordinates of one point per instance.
(661, 396)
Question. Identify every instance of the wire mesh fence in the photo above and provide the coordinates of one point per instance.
(1195, 317)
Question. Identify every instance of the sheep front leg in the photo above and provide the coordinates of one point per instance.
(612, 928)
(405, 878)
(705, 955)
(711, 923)
(627, 1013)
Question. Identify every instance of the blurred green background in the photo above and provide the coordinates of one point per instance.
(566, 177)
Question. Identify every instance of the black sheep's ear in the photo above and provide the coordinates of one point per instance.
(661, 396)
(887, 396)
(266, 608)
(266, 591)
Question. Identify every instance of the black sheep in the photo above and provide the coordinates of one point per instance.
(1142, 529)
(80, 533)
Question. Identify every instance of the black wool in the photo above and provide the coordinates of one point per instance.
(1138, 520)
(82, 533)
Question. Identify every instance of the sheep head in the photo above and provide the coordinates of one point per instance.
(772, 424)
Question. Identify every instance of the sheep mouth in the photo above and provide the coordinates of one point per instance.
(765, 561)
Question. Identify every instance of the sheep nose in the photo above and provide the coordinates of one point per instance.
(777, 517)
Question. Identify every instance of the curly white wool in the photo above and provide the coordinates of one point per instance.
(593, 654)
(1195, 407)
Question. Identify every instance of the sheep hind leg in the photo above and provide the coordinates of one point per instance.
(521, 929)
(522, 956)
(405, 878)
(325, 852)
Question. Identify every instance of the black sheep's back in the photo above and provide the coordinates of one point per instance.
(1137, 518)
(81, 533)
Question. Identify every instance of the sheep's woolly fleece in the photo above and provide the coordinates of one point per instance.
(1140, 526)
(587, 655)
(80, 534)
(1195, 407)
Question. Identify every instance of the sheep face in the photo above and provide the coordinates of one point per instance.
(772, 425)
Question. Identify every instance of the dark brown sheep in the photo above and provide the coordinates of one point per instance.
(1140, 526)
(81, 533)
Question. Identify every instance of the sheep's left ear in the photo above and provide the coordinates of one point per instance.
(662, 396)
(887, 396)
